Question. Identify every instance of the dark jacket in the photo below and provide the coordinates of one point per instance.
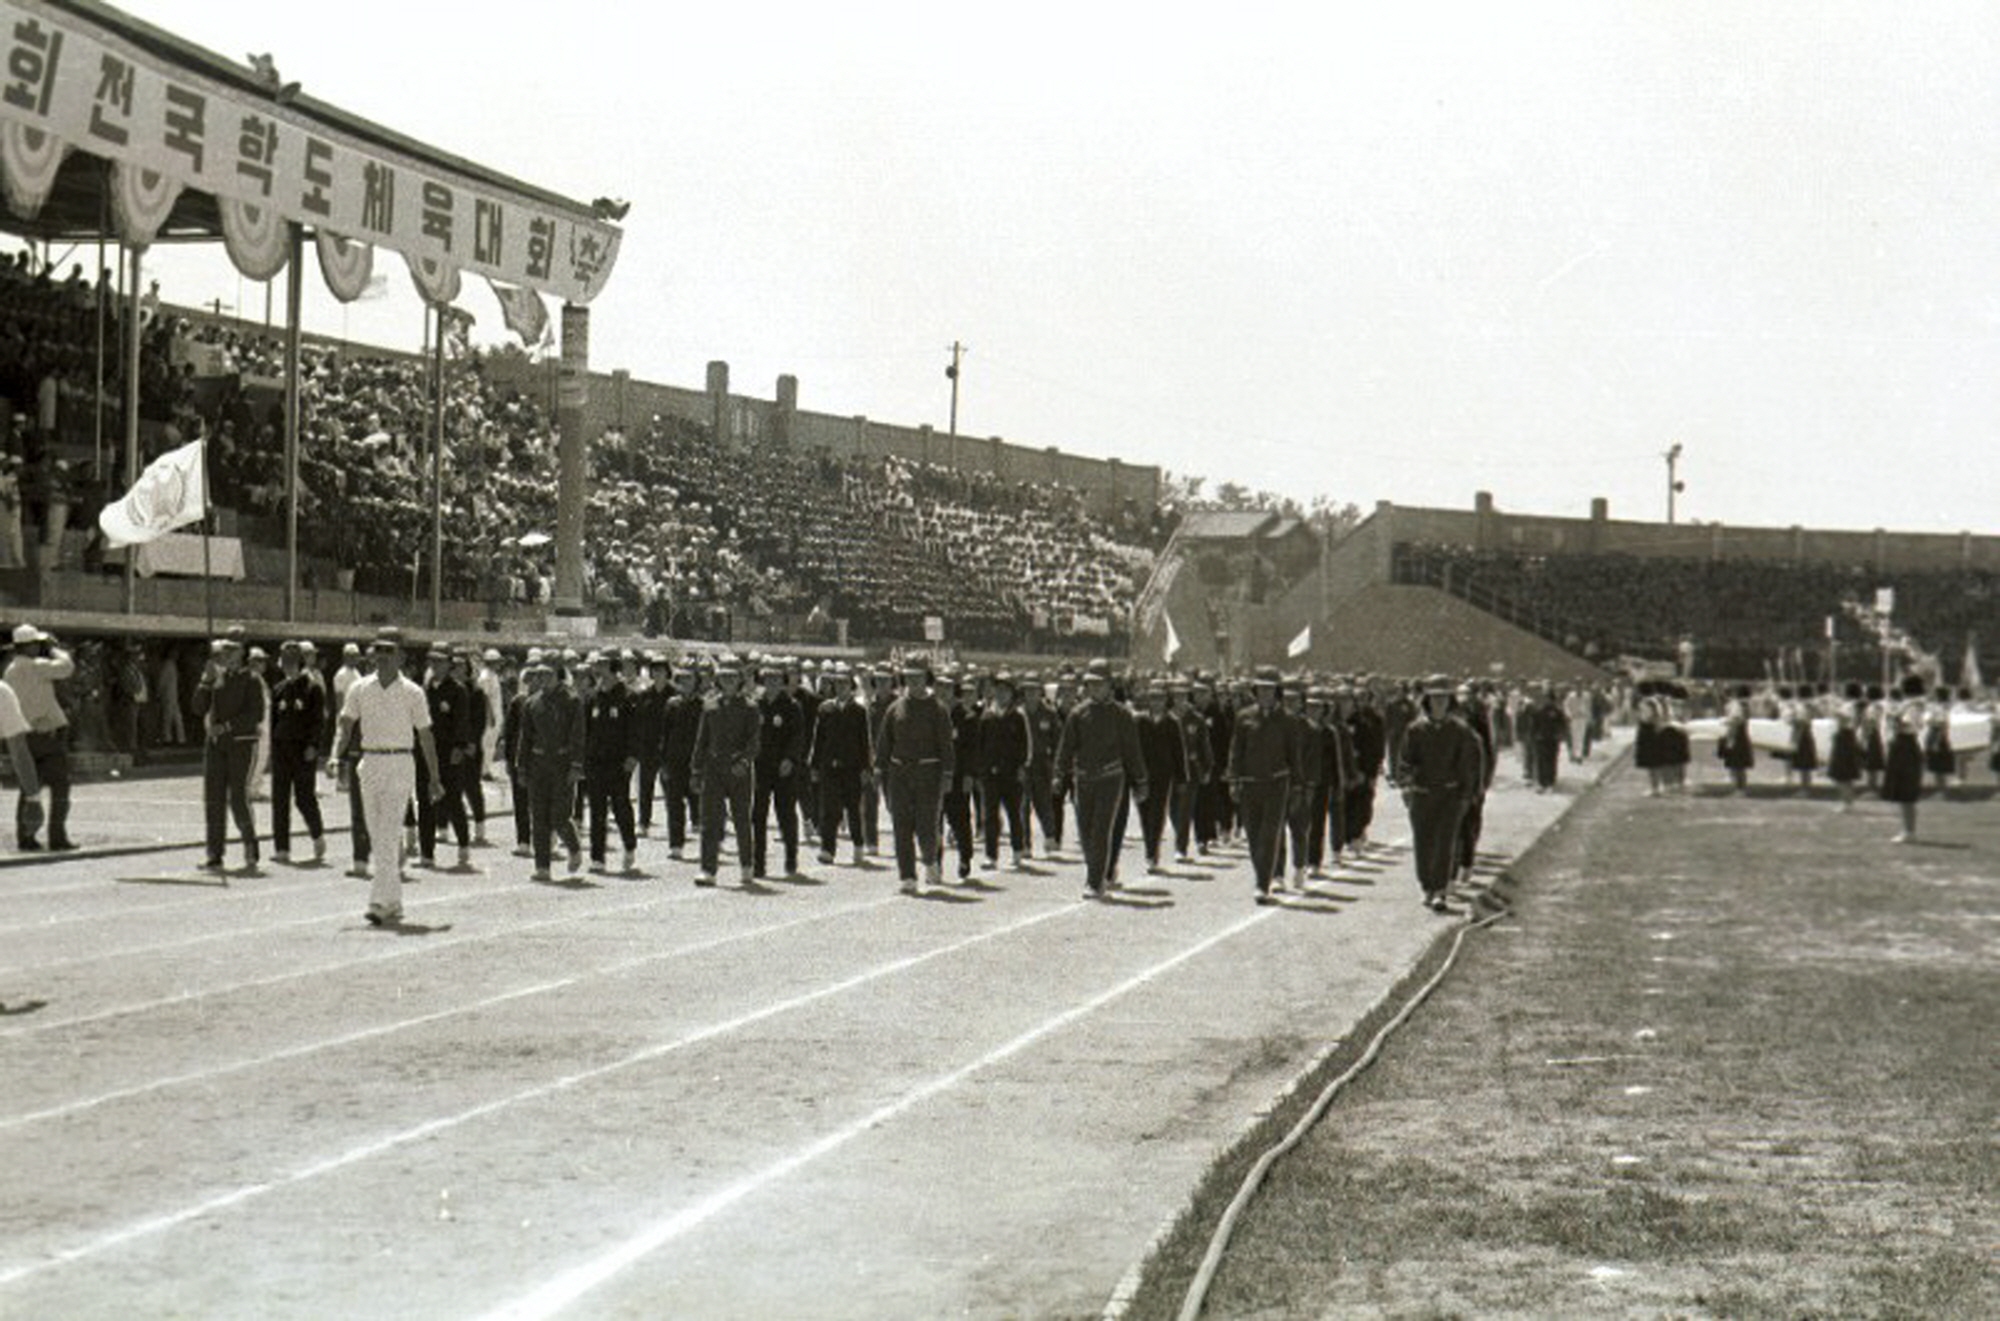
(609, 736)
(233, 705)
(298, 712)
(840, 740)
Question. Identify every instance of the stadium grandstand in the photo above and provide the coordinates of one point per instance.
(1567, 598)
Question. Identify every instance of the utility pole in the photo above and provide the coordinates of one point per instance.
(958, 351)
(1674, 485)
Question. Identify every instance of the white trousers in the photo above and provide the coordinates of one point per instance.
(388, 779)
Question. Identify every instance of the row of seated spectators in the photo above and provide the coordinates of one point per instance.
(1737, 613)
(682, 534)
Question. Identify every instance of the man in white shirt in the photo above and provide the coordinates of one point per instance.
(387, 717)
(14, 733)
(37, 667)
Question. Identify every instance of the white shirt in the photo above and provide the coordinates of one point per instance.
(12, 723)
(387, 716)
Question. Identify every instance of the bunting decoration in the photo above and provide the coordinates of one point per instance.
(345, 264)
(436, 280)
(257, 237)
(523, 312)
(73, 79)
(141, 201)
(29, 159)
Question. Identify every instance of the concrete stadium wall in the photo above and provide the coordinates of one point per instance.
(617, 400)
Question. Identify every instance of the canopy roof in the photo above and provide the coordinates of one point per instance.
(111, 125)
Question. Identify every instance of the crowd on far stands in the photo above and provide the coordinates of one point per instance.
(1733, 615)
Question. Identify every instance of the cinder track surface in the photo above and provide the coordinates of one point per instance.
(636, 1098)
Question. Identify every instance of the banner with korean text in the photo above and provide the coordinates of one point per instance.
(65, 77)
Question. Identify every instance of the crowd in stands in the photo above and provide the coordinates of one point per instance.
(685, 536)
(1737, 613)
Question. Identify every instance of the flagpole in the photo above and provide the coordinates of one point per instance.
(207, 575)
(137, 253)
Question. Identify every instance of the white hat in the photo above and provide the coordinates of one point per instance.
(27, 633)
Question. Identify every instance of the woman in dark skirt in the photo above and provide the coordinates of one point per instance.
(1939, 759)
(1674, 750)
(1903, 767)
(1646, 751)
(1805, 747)
(1874, 751)
(1734, 748)
(1845, 760)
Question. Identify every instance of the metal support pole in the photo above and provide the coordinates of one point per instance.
(136, 264)
(294, 297)
(437, 472)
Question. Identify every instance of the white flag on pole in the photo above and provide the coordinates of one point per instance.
(171, 493)
(1173, 643)
(1301, 644)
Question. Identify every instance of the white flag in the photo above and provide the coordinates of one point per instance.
(171, 493)
(1301, 644)
(1173, 643)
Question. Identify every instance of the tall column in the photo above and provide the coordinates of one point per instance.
(572, 477)
(294, 299)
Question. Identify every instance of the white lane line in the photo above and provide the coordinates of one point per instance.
(572, 1284)
(402, 950)
(472, 1006)
(430, 1128)
(481, 886)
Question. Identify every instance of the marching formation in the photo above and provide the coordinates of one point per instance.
(963, 762)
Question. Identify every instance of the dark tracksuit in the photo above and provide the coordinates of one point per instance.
(1263, 765)
(1341, 772)
(451, 727)
(725, 775)
(872, 795)
(517, 773)
(957, 805)
(1306, 790)
(1004, 742)
(1044, 731)
(681, 719)
(1163, 748)
(1194, 778)
(1211, 803)
(917, 756)
(841, 756)
(803, 780)
(298, 718)
(1370, 738)
(1099, 754)
(550, 750)
(780, 757)
(1479, 720)
(649, 732)
(608, 751)
(232, 707)
(1440, 770)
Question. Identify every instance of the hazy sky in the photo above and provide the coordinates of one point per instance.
(1385, 252)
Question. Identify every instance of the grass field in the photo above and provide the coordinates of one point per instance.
(1731, 1057)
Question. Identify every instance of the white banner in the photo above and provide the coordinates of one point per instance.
(92, 89)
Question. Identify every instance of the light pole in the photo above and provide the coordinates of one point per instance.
(958, 351)
(1674, 485)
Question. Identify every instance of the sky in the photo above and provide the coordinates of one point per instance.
(1402, 252)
